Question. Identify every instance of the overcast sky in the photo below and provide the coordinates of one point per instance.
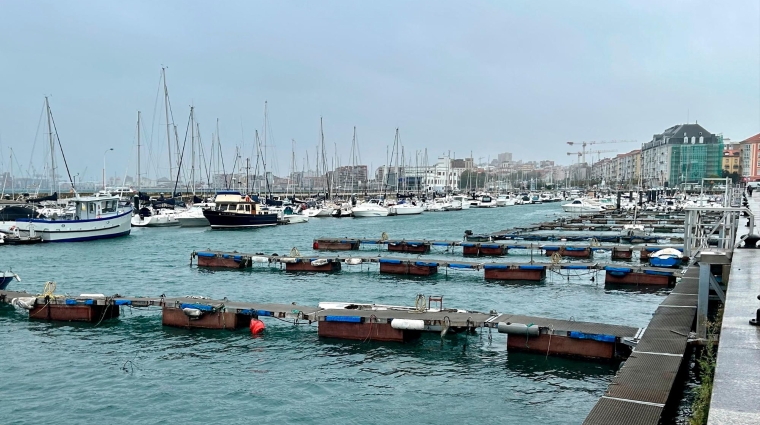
(488, 77)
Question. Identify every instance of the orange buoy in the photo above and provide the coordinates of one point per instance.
(257, 326)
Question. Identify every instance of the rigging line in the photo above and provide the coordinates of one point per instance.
(36, 135)
(153, 125)
(184, 143)
(61, 148)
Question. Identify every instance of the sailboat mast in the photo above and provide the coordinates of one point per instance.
(52, 147)
(166, 111)
(138, 153)
(192, 148)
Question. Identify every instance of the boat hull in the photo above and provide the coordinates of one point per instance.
(664, 262)
(407, 210)
(158, 220)
(230, 220)
(77, 230)
(295, 218)
(193, 222)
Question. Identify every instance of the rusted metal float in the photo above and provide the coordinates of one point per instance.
(526, 272)
(416, 268)
(415, 247)
(325, 265)
(644, 277)
(336, 244)
(568, 251)
(621, 253)
(472, 249)
(228, 260)
(73, 310)
(566, 338)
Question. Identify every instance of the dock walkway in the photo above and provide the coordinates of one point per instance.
(735, 396)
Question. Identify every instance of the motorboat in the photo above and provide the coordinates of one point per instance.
(464, 201)
(486, 202)
(371, 208)
(291, 216)
(505, 201)
(157, 216)
(235, 211)
(6, 278)
(581, 206)
(317, 211)
(453, 205)
(633, 230)
(194, 217)
(406, 209)
(343, 210)
(668, 257)
(89, 218)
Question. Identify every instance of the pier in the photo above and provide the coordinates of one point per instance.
(512, 271)
(546, 336)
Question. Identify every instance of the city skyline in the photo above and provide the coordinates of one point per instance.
(487, 78)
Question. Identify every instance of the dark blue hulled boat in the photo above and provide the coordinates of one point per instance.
(6, 278)
(667, 257)
(235, 211)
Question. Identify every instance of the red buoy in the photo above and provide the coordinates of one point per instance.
(315, 245)
(257, 326)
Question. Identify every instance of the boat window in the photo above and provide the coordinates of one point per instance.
(92, 207)
(247, 208)
(240, 207)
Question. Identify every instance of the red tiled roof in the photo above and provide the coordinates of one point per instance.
(755, 138)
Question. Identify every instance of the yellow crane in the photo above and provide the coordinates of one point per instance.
(595, 142)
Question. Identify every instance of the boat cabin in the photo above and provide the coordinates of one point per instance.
(235, 202)
(91, 208)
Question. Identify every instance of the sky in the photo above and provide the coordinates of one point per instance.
(455, 77)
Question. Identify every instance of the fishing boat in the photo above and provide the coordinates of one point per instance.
(235, 211)
(92, 217)
(371, 208)
(668, 257)
(6, 278)
(581, 206)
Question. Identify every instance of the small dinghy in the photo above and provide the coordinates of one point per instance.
(667, 257)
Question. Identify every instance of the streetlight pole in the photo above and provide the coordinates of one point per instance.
(104, 167)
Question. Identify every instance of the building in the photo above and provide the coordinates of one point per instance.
(352, 177)
(731, 161)
(504, 157)
(684, 153)
(750, 158)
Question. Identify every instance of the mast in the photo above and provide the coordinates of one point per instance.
(52, 147)
(398, 169)
(138, 153)
(192, 148)
(166, 111)
(324, 159)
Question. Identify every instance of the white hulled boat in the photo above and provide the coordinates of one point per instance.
(194, 217)
(464, 202)
(406, 209)
(581, 206)
(372, 208)
(92, 217)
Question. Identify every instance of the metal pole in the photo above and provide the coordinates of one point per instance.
(702, 299)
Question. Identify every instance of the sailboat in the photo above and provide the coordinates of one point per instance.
(86, 218)
(290, 215)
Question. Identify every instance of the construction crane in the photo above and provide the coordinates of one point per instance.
(584, 152)
(594, 142)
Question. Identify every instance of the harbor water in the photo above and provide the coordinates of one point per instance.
(134, 369)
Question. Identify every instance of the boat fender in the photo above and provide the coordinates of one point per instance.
(256, 326)
(518, 329)
(319, 262)
(192, 313)
(288, 260)
(92, 296)
(353, 261)
(408, 324)
(26, 303)
(260, 259)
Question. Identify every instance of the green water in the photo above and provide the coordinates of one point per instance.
(133, 370)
